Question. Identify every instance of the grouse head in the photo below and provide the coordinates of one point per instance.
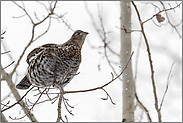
(79, 37)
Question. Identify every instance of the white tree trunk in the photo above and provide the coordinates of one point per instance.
(128, 81)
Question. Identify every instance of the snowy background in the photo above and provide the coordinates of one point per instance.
(165, 44)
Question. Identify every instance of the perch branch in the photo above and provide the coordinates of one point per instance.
(101, 87)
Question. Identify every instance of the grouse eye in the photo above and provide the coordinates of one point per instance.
(80, 33)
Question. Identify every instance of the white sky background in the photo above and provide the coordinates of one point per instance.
(165, 44)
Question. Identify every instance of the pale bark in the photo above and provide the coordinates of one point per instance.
(17, 96)
(128, 81)
(3, 118)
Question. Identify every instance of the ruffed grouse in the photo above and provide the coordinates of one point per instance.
(54, 63)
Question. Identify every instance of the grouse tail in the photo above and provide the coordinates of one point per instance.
(23, 84)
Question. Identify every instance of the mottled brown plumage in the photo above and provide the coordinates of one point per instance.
(53, 63)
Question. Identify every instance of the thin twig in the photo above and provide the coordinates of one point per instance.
(168, 81)
(103, 35)
(108, 96)
(128, 31)
(155, 6)
(141, 104)
(135, 78)
(3, 33)
(17, 101)
(8, 65)
(65, 22)
(5, 105)
(8, 95)
(24, 11)
(51, 13)
(44, 31)
(38, 99)
(137, 57)
(19, 16)
(43, 6)
(5, 52)
(96, 28)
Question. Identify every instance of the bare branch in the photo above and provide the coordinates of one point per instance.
(3, 34)
(3, 43)
(107, 97)
(144, 108)
(98, 30)
(128, 31)
(65, 22)
(44, 31)
(52, 12)
(155, 6)
(103, 35)
(49, 99)
(24, 11)
(8, 65)
(168, 81)
(38, 99)
(8, 95)
(20, 58)
(19, 16)
(137, 57)
(155, 23)
(5, 105)
(150, 62)
(43, 6)
(5, 52)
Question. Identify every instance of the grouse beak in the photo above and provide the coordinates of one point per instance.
(86, 33)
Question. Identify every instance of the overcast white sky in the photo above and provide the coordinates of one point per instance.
(165, 44)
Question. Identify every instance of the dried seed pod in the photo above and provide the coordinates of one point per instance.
(159, 18)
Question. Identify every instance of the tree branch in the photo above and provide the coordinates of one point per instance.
(144, 108)
(150, 62)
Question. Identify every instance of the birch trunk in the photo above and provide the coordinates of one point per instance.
(128, 81)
